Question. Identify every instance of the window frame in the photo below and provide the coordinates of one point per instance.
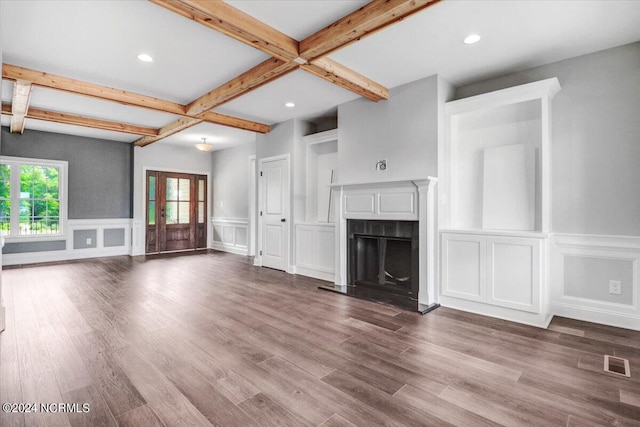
(15, 163)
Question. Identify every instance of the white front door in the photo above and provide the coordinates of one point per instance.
(274, 210)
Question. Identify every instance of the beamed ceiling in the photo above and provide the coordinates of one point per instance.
(224, 70)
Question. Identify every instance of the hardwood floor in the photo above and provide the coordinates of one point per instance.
(207, 338)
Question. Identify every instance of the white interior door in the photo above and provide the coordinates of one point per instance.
(274, 209)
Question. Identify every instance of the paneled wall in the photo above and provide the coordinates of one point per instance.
(230, 235)
(85, 238)
(99, 196)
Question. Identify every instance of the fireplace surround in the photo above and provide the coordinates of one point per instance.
(398, 202)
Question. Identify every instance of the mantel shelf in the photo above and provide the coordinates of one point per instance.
(393, 181)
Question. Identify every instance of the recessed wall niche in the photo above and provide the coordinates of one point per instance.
(495, 168)
(495, 162)
(321, 165)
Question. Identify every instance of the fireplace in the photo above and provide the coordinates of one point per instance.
(383, 261)
(385, 242)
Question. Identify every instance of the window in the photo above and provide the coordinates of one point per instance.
(178, 201)
(32, 197)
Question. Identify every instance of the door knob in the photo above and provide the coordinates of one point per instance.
(283, 220)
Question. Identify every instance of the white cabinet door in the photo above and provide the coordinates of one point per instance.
(464, 266)
(514, 272)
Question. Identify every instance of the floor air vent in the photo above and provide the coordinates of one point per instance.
(616, 365)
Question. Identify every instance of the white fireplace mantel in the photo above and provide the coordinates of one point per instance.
(401, 200)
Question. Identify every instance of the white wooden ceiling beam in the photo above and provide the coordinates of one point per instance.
(20, 105)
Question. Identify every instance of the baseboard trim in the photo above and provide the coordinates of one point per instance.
(238, 250)
(322, 275)
(603, 317)
(539, 320)
(64, 255)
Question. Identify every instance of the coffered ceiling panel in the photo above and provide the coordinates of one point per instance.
(218, 136)
(515, 35)
(299, 18)
(98, 42)
(309, 94)
(53, 100)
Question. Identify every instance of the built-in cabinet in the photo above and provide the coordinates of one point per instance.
(504, 271)
(495, 202)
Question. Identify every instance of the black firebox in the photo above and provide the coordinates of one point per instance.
(383, 261)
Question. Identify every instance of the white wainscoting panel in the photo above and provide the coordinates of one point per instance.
(514, 272)
(100, 250)
(583, 295)
(315, 250)
(230, 235)
(464, 266)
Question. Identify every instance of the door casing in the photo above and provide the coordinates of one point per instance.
(142, 202)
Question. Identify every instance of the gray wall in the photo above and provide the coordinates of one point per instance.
(403, 130)
(579, 270)
(230, 177)
(277, 142)
(99, 170)
(596, 145)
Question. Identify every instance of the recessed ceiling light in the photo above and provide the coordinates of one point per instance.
(144, 57)
(472, 39)
(289, 104)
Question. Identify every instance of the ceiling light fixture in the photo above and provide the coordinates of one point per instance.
(289, 104)
(203, 146)
(144, 57)
(472, 39)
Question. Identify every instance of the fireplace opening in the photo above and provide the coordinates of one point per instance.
(383, 261)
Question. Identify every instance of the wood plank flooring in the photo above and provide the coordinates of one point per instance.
(208, 339)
